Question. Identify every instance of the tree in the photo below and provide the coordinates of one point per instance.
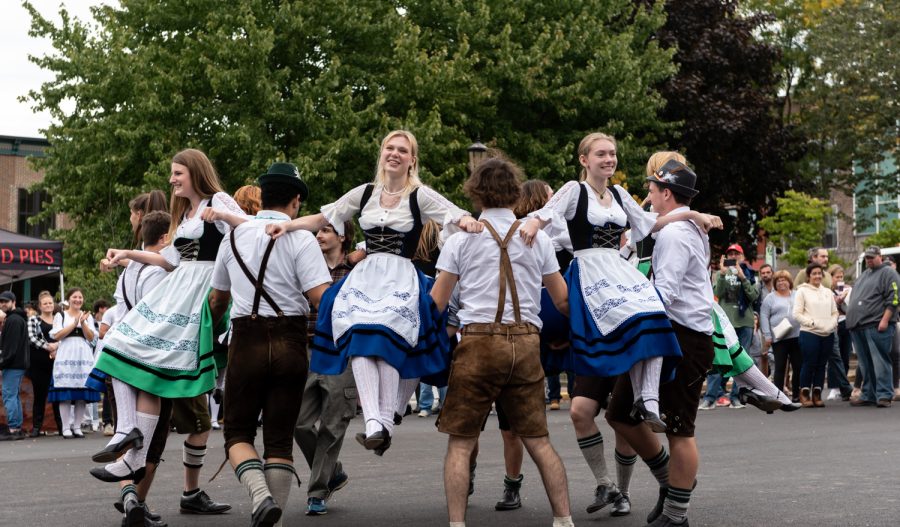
(850, 106)
(725, 94)
(797, 224)
(887, 236)
(319, 83)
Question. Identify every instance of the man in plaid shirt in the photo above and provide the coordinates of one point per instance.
(329, 399)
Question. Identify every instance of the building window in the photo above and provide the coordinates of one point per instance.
(830, 240)
(870, 218)
(31, 204)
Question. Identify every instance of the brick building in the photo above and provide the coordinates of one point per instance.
(18, 203)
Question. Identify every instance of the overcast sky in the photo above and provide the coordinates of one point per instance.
(17, 74)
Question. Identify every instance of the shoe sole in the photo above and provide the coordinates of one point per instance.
(337, 488)
(369, 443)
(110, 457)
(766, 406)
(591, 509)
(499, 507)
(316, 513)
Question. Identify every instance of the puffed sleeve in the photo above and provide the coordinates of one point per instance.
(224, 202)
(434, 206)
(345, 208)
(57, 325)
(642, 221)
(561, 206)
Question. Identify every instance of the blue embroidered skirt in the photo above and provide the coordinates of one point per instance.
(428, 358)
(640, 336)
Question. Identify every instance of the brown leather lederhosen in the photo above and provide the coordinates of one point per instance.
(267, 367)
(497, 362)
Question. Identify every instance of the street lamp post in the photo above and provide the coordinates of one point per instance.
(477, 154)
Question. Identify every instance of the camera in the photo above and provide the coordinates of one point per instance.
(840, 287)
(730, 262)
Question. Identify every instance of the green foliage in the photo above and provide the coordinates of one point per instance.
(887, 236)
(319, 84)
(797, 224)
(725, 94)
(94, 284)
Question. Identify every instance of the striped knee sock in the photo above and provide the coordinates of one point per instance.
(676, 504)
(659, 466)
(624, 468)
(250, 474)
(129, 492)
(193, 455)
(592, 450)
(279, 478)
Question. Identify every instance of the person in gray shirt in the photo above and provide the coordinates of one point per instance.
(871, 318)
(775, 308)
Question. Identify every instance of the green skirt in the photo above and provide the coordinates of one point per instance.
(730, 358)
(168, 383)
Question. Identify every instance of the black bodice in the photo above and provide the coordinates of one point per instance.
(390, 241)
(203, 249)
(585, 235)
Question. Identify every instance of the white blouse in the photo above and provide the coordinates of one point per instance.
(563, 204)
(432, 206)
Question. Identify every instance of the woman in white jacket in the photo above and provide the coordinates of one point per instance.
(815, 310)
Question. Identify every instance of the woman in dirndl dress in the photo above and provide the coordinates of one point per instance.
(380, 317)
(618, 323)
(74, 330)
(163, 347)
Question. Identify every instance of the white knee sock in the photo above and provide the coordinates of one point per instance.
(404, 391)
(136, 458)
(280, 477)
(126, 404)
(388, 387)
(365, 373)
(756, 381)
(646, 386)
(65, 414)
(79, 410)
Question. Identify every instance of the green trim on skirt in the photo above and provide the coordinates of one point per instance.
(167, 383)
(728, 361)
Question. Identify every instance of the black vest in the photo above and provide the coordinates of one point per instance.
(585, 235)
(387, 240)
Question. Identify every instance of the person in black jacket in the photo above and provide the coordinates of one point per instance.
(13, 361)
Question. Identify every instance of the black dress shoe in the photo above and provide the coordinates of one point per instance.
(104, 475)
(639, 411)
(201, 503)
(151, 516)
(134, 514)
(763, 402)
(267, 514)
(603, 496)
(371, 442)
(510, 500)
(385, 444)
(112, 452)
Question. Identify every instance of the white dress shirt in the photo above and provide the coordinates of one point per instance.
(296, 265)
(680, 263)
(475, 258)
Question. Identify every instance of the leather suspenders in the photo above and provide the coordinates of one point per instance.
(257, 282)
(506, 274)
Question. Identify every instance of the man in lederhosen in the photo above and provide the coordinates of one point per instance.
(680, 261)
(267, 362)
(498, 358)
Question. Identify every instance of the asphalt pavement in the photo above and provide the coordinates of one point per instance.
(837, 466)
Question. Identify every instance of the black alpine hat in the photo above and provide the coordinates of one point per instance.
(285, 173)
(677, 177)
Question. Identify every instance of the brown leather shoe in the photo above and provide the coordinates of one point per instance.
(817, 398)
(805, 399)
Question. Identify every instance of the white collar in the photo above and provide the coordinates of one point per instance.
(271, 215)
(498, 213)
